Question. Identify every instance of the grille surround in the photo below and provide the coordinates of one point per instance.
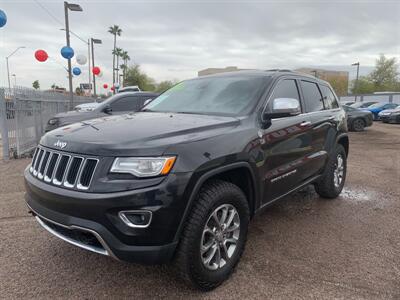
(46, 167)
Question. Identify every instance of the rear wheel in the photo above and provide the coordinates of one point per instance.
(358, 125)
(215, 235)
(332, 181)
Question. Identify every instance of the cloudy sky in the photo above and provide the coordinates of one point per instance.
(175, 39)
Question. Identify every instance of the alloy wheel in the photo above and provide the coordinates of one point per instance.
(220, 237)
(338, 173)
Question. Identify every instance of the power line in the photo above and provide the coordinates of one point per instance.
(58, 21)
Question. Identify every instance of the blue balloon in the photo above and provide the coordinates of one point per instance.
(67, 52)
(3, 18)
(76, 71)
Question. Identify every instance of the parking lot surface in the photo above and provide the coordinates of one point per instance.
(302, 247)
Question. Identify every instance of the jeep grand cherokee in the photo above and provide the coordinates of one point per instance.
(180, 180)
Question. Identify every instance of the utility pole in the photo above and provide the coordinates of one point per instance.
(356, 84)
(94, 41)
(72, 7)
(89, 74)
(8, 67)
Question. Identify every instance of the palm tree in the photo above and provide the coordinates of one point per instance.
(114, 30)
(125, 57)
(117, 52)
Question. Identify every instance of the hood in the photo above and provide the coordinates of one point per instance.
(135, 134)
(74, 116)
(389, 111)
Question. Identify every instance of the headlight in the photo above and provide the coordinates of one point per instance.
(53, 121)
(143, 166)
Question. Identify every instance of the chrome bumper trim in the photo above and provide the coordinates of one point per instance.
(106, 251)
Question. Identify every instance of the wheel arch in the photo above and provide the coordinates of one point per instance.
(343, 139)
(223, 173)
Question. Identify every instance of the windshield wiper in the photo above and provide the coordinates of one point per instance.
(147, 110)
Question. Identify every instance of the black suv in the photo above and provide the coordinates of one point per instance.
(181, 179)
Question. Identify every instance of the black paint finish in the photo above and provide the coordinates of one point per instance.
(273, 156)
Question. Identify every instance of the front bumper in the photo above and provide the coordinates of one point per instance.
(91, 221)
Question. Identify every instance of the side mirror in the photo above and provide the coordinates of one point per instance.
(107, 109)
(282, 107)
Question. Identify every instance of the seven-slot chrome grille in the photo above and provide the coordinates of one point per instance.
(63, 169)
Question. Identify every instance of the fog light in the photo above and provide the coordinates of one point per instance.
(136, 218)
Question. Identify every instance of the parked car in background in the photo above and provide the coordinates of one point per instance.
(357, 119)
(347, 103)
(133, 88)
(87, 106)
(390, 115)
(363, 104)
(378, 107)
(117, 104)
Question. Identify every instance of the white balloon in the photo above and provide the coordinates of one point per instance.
(81, 59)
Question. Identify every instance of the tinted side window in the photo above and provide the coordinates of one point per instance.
(126, 104)
(329, 98)
(286, 89)
(312, 96)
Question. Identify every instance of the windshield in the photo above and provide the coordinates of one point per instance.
(376, 105)
(228, 95)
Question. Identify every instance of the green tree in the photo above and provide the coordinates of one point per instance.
(135, 76)
(114, 30)
(363, 86)
(385, 75)
(36, 84)
(165, 85)
(117, 52)
(125, 58)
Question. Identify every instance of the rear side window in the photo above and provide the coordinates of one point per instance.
(312, 96)
(126, 104)
(286, 89)
(330, 101)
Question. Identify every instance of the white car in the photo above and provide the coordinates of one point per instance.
(133, 88)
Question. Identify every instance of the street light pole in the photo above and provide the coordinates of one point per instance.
(356, 84)
(94, 41)
(72, 7)
(8, 67)
(89, 70)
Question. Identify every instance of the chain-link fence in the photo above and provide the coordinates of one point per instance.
(23, 116)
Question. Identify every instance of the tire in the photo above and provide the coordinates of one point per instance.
(358, 124)
(329, 186)
(190, 260)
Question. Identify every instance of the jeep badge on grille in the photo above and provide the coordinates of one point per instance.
(60, 144)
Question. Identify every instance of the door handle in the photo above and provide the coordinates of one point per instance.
(305, 124)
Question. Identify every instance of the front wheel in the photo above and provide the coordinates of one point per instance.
(215, 235)
(332, 181)
(358, 125)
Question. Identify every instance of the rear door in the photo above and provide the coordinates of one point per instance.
(322, 108)
(286, 144)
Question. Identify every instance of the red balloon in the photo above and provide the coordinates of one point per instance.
(105, 85)
(112, 88)
(41, 55)
(96, 70)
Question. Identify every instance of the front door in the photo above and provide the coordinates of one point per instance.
(286, 144)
